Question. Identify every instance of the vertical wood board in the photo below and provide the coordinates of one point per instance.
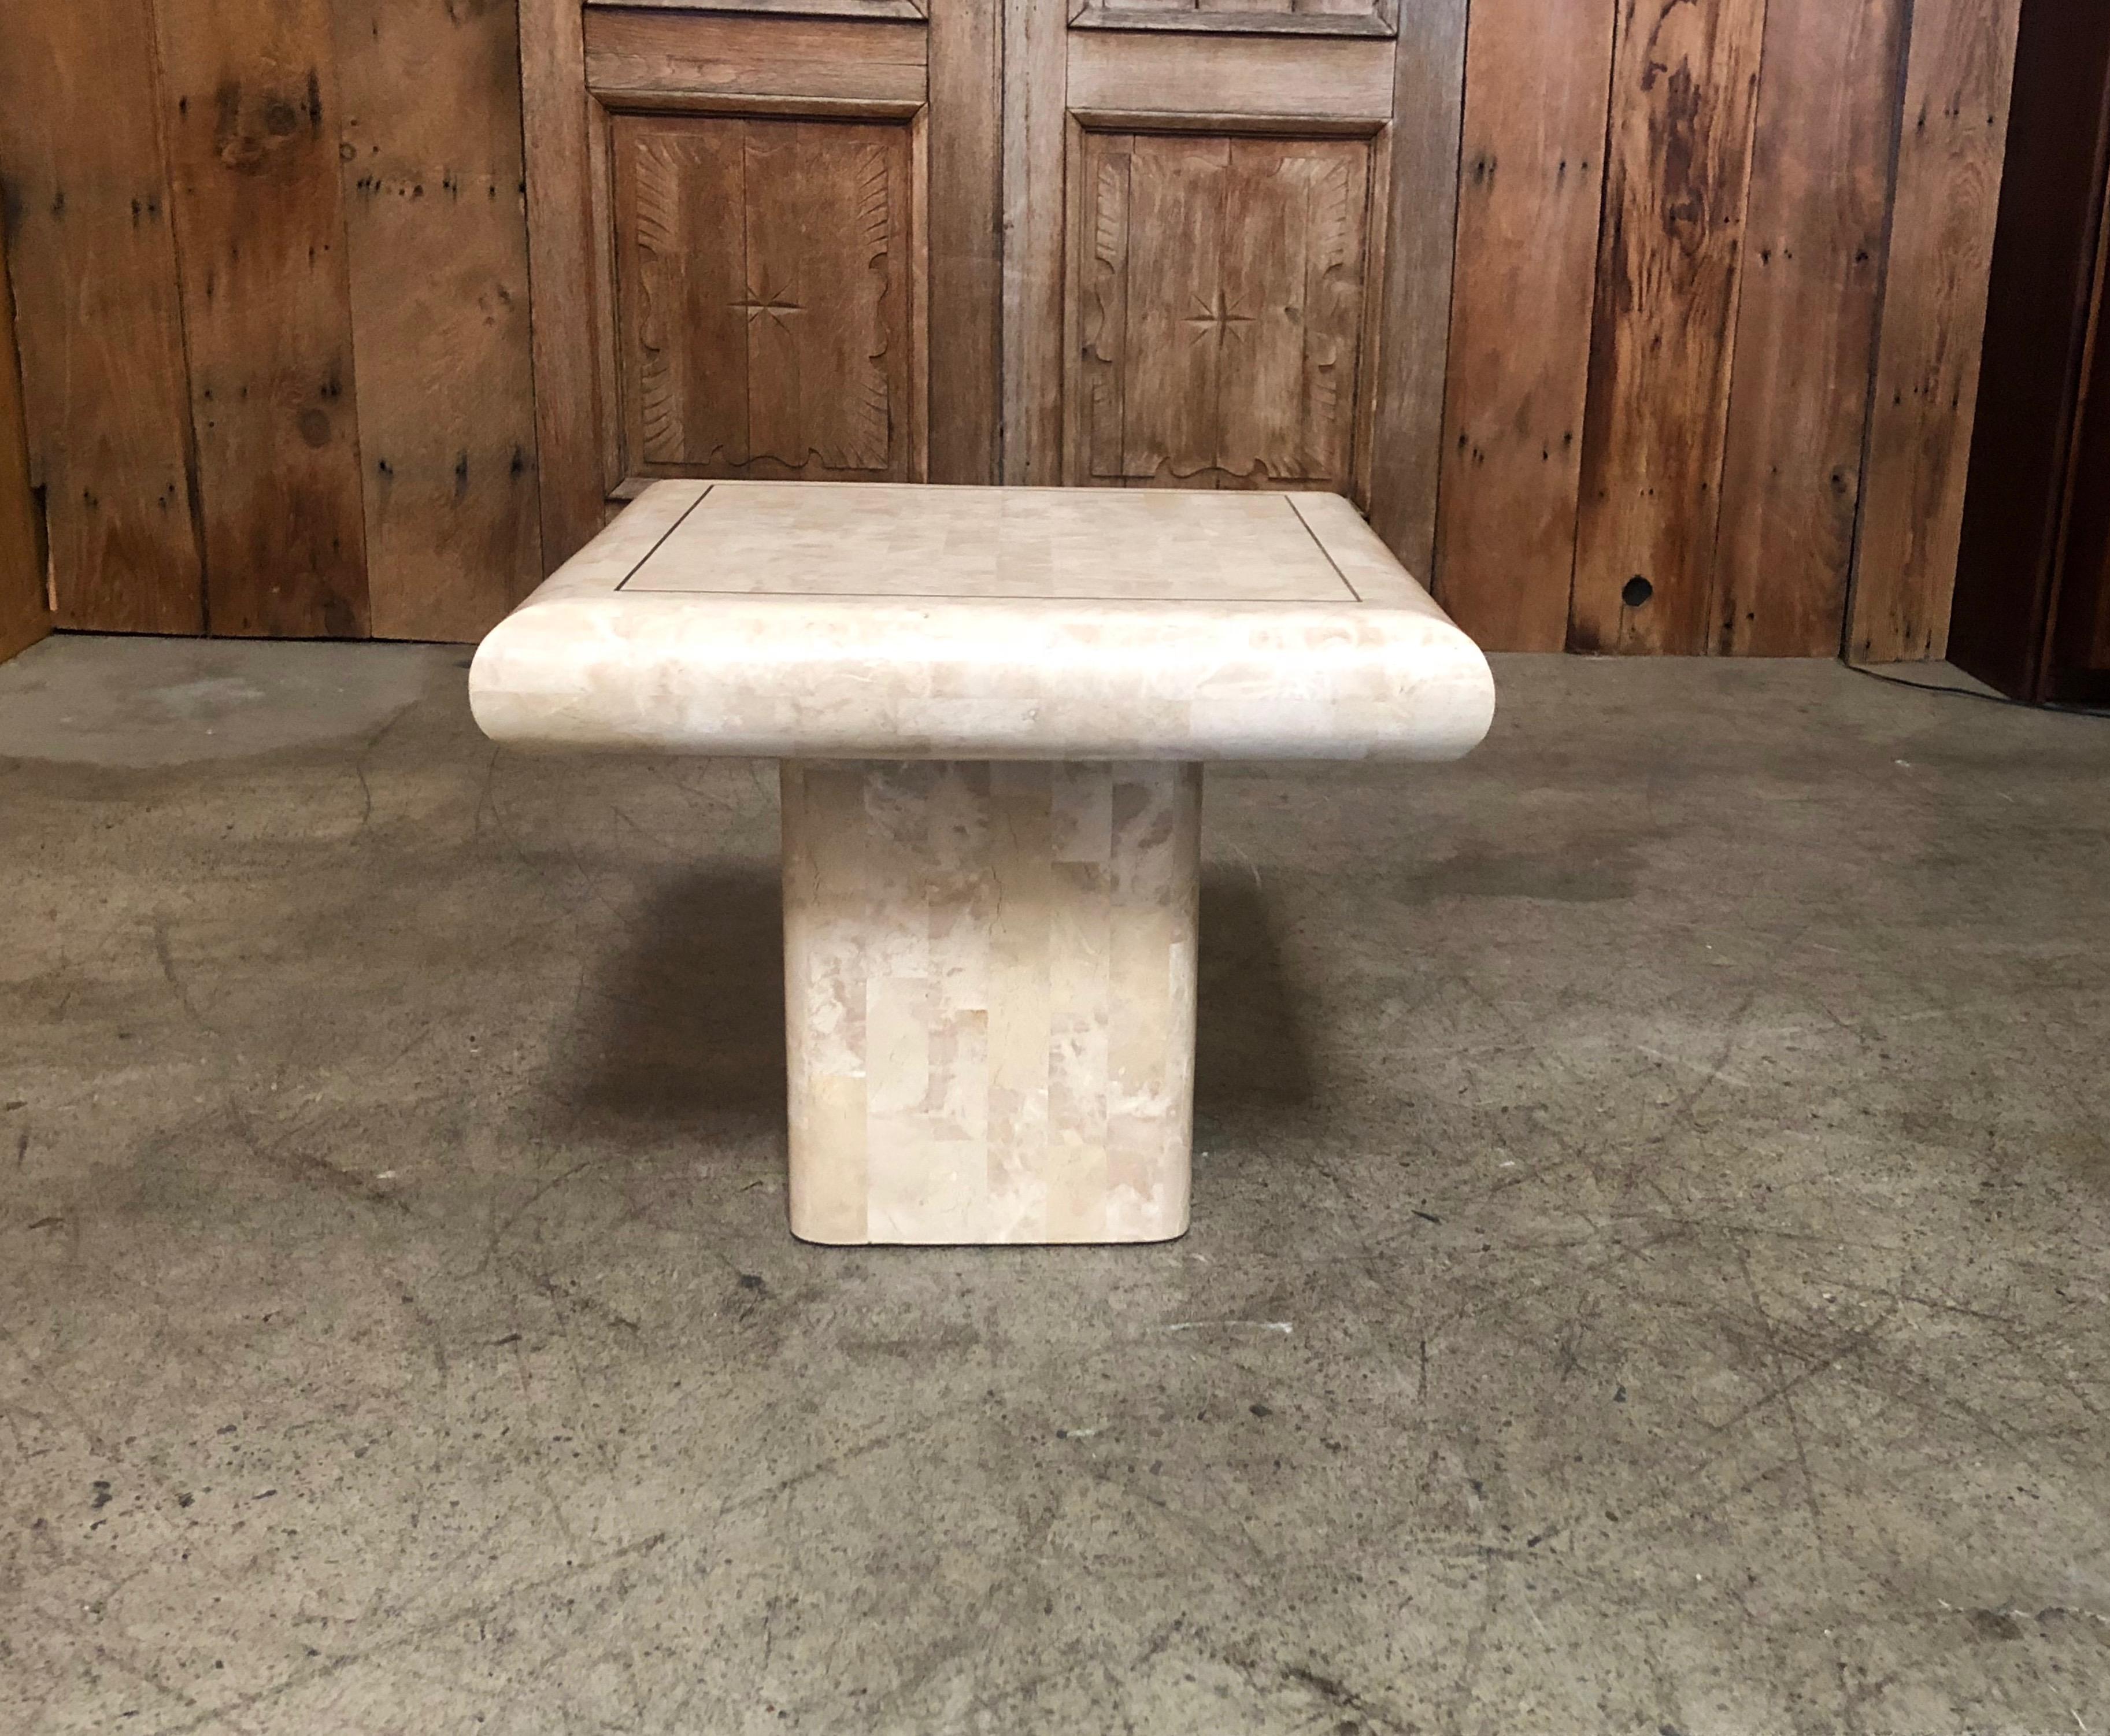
(1684, 84)
(251, 117)
(1420, 233)
(1035, 141)
(965, 240)
(84, 185)
(568, 322)
(436, 244)
(1530, 196)
(24, 618)
(1805, 334)
(1951, 145)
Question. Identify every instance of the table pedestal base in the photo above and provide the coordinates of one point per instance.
(990, 999)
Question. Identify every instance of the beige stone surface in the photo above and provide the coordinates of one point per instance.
(989, 975)
(1110, 544)
(870, 621)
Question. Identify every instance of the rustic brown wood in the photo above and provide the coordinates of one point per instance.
(1219, 285)
(879, 9)
(1036, 139)
(966, 240)
(769, 311)
(1320, 76)
(435, 238)
(1805, 330)
(85, 189)
(250, 106)
(24, 616)
(1260, 17)
(570, 319)
(635, 55)
(1420, 249)
(1530, 196)
(991, 132)
(1950, 146)
(1684, 79)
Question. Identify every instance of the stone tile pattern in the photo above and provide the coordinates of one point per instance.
(790, 539)
(989, 975)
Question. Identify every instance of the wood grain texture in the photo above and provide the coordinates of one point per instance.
(1219, 290)
(1261, 17)
(85, 184)
(436, 242)
(965, 242)
(570, 319)
(1318, 77)
(1805, 332)
(875, 9)
(251, 107)
(1684, 82)
(1951, 141)
(1530, 196)
(637, 55)
(24, 617)
(1035, 142)
(768, 305)
(1419, 228)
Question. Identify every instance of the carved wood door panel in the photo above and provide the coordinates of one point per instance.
(1219, 302)
(1145, 243)
(1230, 265)
(736, 252)
(765, 306)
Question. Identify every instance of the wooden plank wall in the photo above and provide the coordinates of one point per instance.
(1946, 202)
(273, 312)
(1659, 433)
(93, 248)
(1712, 321)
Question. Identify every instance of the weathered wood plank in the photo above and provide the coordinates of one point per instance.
(436, 242)
(1036, 138)
(1951, 143)
(1347, 78)
(251, 107)
(24, 617)
(1420, 236)
(568, 323)
(1530, 196)
(1685, 78)
(964, 240)
(85, 190)
(879, 9)
(1805, 328)
(647, 53)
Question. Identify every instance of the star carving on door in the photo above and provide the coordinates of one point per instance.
(776, 306)
(1216, 319)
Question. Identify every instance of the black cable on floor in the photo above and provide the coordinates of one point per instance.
(1997, 699)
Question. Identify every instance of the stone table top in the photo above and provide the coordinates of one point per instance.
(904, 621)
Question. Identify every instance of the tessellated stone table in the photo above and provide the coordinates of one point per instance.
(992, 707)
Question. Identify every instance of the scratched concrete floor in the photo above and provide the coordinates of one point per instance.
(1649, 1271)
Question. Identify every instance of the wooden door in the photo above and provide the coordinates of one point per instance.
(1117, 242)
(744, 221)
(1230, 251)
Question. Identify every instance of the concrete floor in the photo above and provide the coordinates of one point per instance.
(1648, 1273)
